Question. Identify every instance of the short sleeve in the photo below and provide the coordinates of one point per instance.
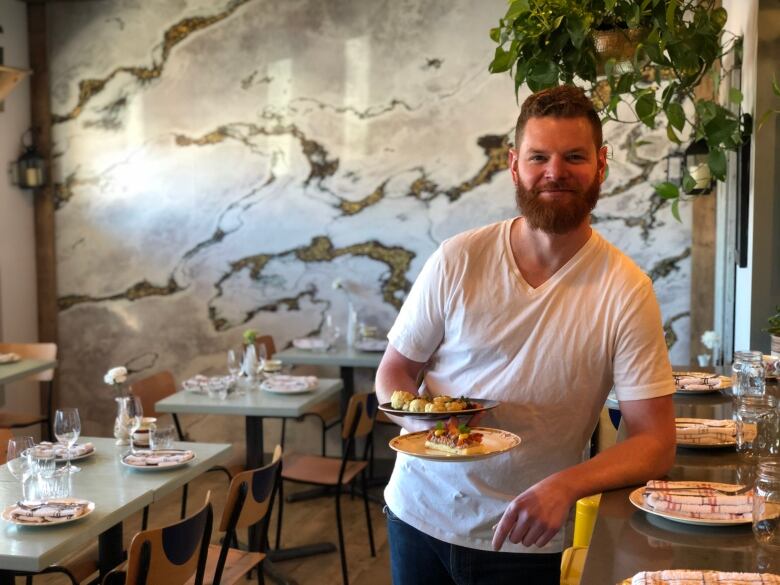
(419, 328)
(641, 367)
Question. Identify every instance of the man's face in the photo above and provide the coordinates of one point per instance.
(557, 172)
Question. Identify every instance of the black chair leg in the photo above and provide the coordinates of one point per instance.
(284, 432)
(145, 518)
(184, 501)
(342, 552)
(260, 577)
(280, 499)
(364, 486)
(29, 580)
(176, 422)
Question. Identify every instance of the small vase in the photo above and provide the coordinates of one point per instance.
(122, 421)
(352, 324)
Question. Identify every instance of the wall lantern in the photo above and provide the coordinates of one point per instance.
(30, 167)
(695, 163)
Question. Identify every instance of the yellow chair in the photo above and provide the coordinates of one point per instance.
(573, 560)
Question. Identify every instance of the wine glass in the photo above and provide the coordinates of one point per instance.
(233, 363)
(330, 332)
(18, 464)
(67, 428)
(135, 414)
(262, 355)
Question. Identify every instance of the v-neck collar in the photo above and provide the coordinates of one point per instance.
(557, 275)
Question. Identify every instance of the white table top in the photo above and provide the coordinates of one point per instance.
(23, 368)
(116, 490)
(252, 403)
(338, 356)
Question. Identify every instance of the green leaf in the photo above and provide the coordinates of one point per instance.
(667, 190)
(646, 110)
(717, 164)
(688, 183)
(516, 8)
(501, 61)
(542, 74)
(735, 96)
(624, 83)
(719, 16)
(609, 67)
(576, 28)
(676, 115)
(764, 117)
(495, 34)
(775, 87)
(676, 210)
(671, 135)
(609, 5)
(671, 8)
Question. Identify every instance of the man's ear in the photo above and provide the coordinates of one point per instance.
(512, 161)
(602, 163)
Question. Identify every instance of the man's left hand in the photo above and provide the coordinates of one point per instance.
(535, 516)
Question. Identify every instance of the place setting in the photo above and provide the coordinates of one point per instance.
(700, 433)
(9, 358)
(449, 440)
(699, 382)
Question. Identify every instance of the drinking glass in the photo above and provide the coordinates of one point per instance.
(67, 428)
(766, 504)
(42, 465)
(330, 331)
(755, 416)
(233, 363)
(747, 373)
(135, 414)
(162, 438)
(18, 463)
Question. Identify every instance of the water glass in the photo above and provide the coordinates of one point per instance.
(748, 373)
(18, 462)
(67, 428)
(766, 504)
(54, 485)
(756, 421)
(217, 388)
(162, 438)
(233, 363)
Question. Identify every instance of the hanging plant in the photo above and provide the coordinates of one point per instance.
(670, 47)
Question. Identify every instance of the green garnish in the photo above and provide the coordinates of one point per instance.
(464, 429)
(439, 426)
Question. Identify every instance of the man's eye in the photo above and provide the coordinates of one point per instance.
(537, 158)
(576, 157)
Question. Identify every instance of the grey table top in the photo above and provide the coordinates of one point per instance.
(116, 490)
(339, 356)
(252, 403)
(23, 368)
(627, 540)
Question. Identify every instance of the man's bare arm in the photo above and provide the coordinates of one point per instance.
(536, 515)
(397, 372)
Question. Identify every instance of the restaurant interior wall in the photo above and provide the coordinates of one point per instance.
(18, 310)
(220, 164)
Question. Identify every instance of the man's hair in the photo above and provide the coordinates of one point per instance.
(563, 101)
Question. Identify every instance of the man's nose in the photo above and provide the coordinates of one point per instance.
(555, 169)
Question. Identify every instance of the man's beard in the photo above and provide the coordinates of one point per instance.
(556, 216)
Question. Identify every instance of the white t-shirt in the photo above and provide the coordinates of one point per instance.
(549, 354)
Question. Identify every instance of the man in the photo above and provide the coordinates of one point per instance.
(544, 315)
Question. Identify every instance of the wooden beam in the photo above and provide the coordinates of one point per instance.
(40, 115)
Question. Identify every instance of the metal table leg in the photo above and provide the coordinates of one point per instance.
(110, 551)
(348, 378)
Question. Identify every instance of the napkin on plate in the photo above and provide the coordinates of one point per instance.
(371, 344)
(9, 358)
(160, 458)
(42, 512)
(310, 343)
(197, 384)
(61, 451)
(703, 431)
(701, 503)
(772, 366)
(687, 577)
(283, 384)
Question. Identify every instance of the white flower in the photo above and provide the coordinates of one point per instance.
(710, 339)
(115, 376)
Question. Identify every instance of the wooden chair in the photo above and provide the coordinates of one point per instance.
(337, 472)
(170, 555)
(249, 501)
(5, 434)
(36, 351)
(327, 412)
(150, 390)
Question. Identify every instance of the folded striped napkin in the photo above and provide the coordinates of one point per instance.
(686, 577)
(702, 431)
(703, 503)
(696, 381)
(161, 458)
(289, 384)
(43, 512)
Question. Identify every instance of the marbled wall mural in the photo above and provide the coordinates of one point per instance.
(220, 163)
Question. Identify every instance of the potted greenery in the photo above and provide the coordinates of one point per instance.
(774, 331)
(676, 44)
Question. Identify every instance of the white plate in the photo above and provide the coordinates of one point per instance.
(732, 444)
(158, 467)
(725, 382)
(636, 498)
(495, 441)
(90, 507)
(371, 345)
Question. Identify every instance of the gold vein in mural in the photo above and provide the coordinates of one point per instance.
(138, 291)
(669, 333)
(63, 192)
(353, 207)
(89, 88)
(666, 266)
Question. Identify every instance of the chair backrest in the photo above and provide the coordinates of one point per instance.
(34, 351)
(359, 418)
(171, 554)
(153, 388)
(5, 434)
(267, 342)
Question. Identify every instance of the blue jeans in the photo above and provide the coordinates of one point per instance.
(419, 559)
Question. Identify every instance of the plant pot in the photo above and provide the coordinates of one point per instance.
(775, 348)
(619, 44)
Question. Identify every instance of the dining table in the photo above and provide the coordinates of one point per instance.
(117, 492)
(11, 372)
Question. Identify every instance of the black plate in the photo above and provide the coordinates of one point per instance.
(483, 406)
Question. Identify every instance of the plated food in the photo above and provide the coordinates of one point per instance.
(492, 442)
(454, 438)
(699, 382)
(54, 511)
(405, 403)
